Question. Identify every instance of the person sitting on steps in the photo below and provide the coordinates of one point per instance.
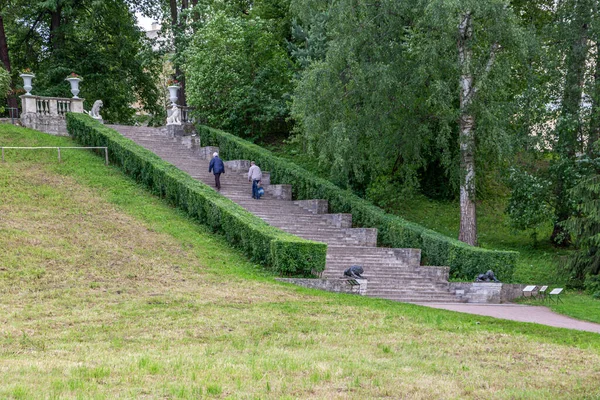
(254, 176)
(217, 167)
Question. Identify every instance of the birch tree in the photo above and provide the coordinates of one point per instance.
(482, 31)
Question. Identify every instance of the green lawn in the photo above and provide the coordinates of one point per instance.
(106, 292)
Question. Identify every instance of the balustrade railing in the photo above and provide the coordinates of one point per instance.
(187, 114)
(52, 105)
(48, 114)
(63, 106)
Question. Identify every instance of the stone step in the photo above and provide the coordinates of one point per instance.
(392, 273)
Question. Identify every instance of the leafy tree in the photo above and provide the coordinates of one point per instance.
(417, 87)
(238, 75)
(561, 104)
(98, 40)
(528, 207)
(584, 225)
(479, 46)
(5, 83)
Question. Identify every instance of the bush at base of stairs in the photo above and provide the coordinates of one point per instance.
(465, 261)
(281, 252)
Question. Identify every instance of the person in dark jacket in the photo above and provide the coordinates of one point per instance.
(217, 167)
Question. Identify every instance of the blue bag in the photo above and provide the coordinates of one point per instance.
(260, 192)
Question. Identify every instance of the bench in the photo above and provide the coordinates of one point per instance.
(555, 295)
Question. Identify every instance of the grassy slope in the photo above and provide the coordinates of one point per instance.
(106, 292)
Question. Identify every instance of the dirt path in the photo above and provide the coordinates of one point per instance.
(522, 313)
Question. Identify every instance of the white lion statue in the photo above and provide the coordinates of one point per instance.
(175, 118)
(95, 111)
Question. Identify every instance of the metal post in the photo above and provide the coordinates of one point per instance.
(106, 156)
(58, 148)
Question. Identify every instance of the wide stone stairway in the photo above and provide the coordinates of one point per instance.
(394, 274)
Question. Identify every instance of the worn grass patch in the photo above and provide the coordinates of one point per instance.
(106, 292)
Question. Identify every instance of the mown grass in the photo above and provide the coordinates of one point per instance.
(107, 292)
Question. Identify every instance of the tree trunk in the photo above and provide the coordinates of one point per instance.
(177, 27)
(55, 34)
(594, 134)
(195, 14)
(4, 56)
(468, 217)
(568, 130)
(173, 8)
(4, 46)
(182, 25)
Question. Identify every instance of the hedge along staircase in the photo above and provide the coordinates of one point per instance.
(393, 274)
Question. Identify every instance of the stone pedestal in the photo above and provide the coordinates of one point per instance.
(77, 105)
(28, 104)
(486, 292)
(180, 130)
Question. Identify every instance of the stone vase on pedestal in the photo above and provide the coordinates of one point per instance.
(27, 77)
(74, 86)
(173, 93)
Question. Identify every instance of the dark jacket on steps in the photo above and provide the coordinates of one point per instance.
(216, 165)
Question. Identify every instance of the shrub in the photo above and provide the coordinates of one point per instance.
(465, 261)
(592, 285)
(279, 251)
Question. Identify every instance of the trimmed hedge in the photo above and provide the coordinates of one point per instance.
(281, 252)
(465, 261)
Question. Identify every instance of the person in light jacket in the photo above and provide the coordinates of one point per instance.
(217, 167)
(254, 176)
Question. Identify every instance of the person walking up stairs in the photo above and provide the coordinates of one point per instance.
(255, 176)
(217, 167)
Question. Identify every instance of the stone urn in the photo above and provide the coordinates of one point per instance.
(173, 89)
(74, 81)
(27, 77)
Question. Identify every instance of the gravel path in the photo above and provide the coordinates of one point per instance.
(522, 313)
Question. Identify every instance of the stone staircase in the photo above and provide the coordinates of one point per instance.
(394, 274)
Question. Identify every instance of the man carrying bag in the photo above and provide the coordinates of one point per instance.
(254, 176)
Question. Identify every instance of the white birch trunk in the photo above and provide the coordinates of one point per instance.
(468, 216)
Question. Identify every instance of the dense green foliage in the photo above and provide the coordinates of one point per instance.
(98, 40)
(465, 261)
(585, 226)
(238, 75)
(283, 253)
(383, 99)
(554, 119)
(4, 84)
(526, 208)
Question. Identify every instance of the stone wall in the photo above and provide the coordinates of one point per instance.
(47, 114)
(315, 206)
(52, 124)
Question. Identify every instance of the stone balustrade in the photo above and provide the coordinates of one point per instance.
(47, 114)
